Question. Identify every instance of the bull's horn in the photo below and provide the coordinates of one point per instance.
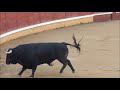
(8, 52)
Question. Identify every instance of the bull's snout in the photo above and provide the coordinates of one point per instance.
(8, 63)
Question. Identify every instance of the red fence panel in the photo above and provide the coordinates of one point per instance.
(33, 18)
(116, 16)
(0, 24)
(10, 24)
(22, 15)
(22, 19)
(3, 28)
(67, 14)
(101, 18)
(46, 16)
(73, 14)
(22, 22)
(11, 20)
(58, 15)
(85, 13)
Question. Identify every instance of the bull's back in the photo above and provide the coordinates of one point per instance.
(43, 51)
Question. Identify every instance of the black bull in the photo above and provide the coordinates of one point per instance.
(33, 54)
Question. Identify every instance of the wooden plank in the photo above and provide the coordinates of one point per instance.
(116, 16)
(101, 18)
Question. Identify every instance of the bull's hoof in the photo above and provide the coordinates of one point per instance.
(51, 64)
(31, 76)
(73, 71)
(61, 72)
(19, 76)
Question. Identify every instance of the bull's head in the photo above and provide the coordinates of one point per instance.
(9, 55)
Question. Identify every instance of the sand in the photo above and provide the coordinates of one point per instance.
(99, 56)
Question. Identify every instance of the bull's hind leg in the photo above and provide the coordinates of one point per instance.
(70, 65)
(64, 65)
(64, 62)
(23, 69)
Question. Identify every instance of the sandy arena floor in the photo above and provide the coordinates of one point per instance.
(99, 57)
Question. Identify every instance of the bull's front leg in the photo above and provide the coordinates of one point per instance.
(23, 69)
(33, 71)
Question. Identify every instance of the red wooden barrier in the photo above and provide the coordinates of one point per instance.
(22, 19)
(11, 21)
(3, 22)
(102, 18)
(33, 18)
(72, 14)
(15, 20)
(58, 15)
(116, 16)
(46, 16)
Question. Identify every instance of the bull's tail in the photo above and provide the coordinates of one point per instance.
(76, 45)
